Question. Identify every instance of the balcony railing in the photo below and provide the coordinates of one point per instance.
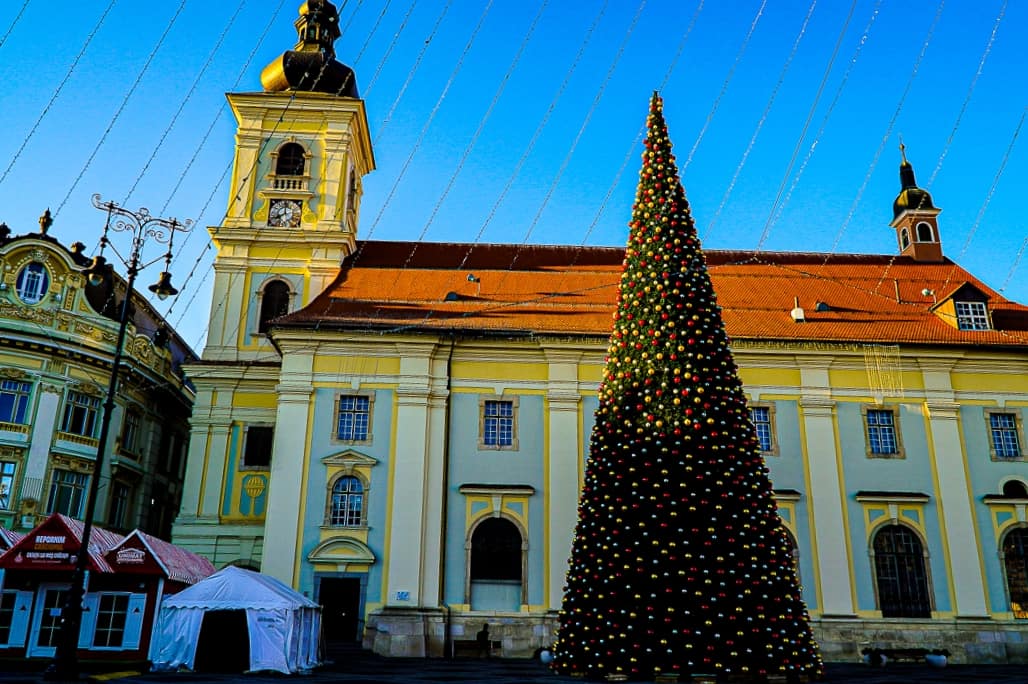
(78, 439)
(289, 183)
(14, 427)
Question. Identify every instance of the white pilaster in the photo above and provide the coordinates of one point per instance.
(564, 449)
(197, 458)
(285, 486)
(950, 465)
(410, 470)
(826, 491)
(435, 480)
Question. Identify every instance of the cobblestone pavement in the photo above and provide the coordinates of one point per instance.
(369, 669)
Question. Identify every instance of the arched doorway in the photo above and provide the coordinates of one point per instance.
(496, 569)
(900, 573)
(1015, 562)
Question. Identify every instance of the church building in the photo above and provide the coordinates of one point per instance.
(399, 429)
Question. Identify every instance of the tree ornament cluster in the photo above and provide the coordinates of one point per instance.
(680, 562)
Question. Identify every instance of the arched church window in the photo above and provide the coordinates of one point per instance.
(900, 573)
(292, 159)
(274, 303)
(1015, 561)
(925, 232)
(347, 506)
(904, 238)
(496, 551)
(1015, 489)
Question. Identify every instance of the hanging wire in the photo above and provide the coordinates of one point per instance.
(888, 134)
(724, 86)
(389, 50)
(431, 117)
(780, 202)
(121, 108)
(14, 23)
(970, 91)
(57, 91)
(763, 118)
(1013, 267)
(185, 100)
(410, 72)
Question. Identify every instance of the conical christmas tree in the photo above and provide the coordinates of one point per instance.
(680, 563)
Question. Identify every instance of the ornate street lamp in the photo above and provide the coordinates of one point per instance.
(142, 226)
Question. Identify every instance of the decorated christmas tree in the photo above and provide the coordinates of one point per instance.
(680, 563)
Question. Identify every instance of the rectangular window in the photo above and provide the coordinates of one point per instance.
(972, 316)
(67, 493)
(1003, 431)
(7, 599)
(121, 495)
(14, 401)
(130, 433)
(111, 613)
(257, 446)
(881, 432)
(80, 413)
(498, 423)
(760, 416)
(353, 418)
(6, 485)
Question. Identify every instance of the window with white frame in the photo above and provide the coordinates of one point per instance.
(353, 417)
(498, 424)
(14, 401)
(32, 283)
(346, 508)
(882, 434)
(1004, 435)
(7, 470)
(972, 316)
(763, 419)
(80, 414)
(67, 493)
(111, 615)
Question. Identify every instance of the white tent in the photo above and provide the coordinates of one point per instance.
(284, 625)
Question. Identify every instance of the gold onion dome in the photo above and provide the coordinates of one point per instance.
(910, 197)
(311, 66)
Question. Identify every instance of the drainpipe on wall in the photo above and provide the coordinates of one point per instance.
(447, 639)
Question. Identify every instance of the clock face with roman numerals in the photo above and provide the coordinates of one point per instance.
(284, 213)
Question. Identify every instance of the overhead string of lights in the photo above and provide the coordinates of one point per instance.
(956, 125)
(724, 87)
(782, 196)
(121, 107)
(763, 118)
(57, 92)
(412, 71)
(389, 50)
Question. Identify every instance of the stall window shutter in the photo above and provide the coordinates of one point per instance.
(20, 621)
(134, 621)
(89, 606)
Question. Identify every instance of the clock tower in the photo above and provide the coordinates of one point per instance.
(302, 148)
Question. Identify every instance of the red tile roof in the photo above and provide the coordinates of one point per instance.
(9, 538)
(562, 290)
(100, 541)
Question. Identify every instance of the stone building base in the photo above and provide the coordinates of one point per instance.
(974, 641)
(433, 633)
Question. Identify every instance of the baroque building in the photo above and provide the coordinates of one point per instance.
(399, 429)
(57, 341)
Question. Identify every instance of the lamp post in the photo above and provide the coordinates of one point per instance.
(142, 226)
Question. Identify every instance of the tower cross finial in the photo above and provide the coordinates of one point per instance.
(903, 149)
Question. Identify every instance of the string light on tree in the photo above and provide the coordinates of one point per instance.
(680, 563)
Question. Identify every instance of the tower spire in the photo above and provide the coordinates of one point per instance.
(914, 216)
(311, 65)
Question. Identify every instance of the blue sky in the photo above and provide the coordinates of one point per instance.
(786, 117)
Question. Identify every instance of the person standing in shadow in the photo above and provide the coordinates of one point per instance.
(484, 645)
